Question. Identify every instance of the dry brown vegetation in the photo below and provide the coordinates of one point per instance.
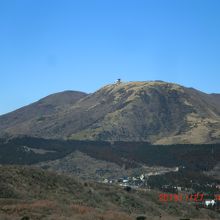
(42, 195)
(157, 112)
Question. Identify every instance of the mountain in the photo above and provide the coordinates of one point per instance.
(153, 111)
(36, 112)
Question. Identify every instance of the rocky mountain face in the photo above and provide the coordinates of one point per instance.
(155, 111)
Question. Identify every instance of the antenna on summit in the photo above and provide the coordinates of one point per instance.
(118, 82)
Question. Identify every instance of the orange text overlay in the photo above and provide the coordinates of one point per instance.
(198, 197)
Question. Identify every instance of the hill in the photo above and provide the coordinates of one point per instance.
(38, 194)
(36, 112)
(189, 165)
(157, 112)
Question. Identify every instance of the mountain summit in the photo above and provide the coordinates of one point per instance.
(154, 111)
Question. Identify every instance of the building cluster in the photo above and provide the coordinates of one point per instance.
(211, 201)
(133, 182)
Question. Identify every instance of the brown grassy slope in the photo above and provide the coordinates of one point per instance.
(38, 111)
(158, 112)
(46, 195)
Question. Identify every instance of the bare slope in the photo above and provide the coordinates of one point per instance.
(21, 120)
(156, 111)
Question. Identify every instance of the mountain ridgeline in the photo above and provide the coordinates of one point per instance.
(155, 112)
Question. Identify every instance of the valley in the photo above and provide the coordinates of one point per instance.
(133, 168)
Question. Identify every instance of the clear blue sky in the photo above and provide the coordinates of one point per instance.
(48, 46)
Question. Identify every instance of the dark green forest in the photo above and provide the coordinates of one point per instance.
(130, 154)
